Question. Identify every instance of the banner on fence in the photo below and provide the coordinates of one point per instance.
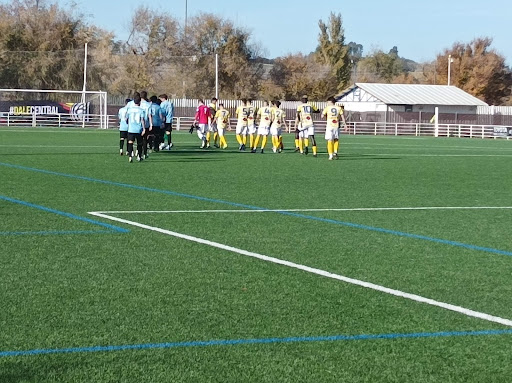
(17, 108)
(502, 131)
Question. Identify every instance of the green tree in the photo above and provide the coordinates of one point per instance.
(333, 52)
(381, 67)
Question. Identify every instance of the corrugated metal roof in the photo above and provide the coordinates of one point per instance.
(414, 94)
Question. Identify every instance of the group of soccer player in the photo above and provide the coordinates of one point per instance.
(268, 120)
(149, 123)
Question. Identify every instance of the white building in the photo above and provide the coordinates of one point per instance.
(400, 98)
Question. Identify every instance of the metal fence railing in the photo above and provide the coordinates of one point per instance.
(354, 128)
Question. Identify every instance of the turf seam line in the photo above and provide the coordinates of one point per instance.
(64, 214)
(238, 342)
(327, 274)
(240, 205)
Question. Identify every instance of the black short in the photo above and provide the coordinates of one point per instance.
(123, 134)
(168, 126)
(134, 136)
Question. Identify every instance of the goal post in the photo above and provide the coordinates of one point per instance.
(53, 108)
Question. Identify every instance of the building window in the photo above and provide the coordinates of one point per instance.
(408, 108)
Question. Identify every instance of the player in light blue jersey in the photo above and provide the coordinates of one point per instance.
(158, 117)
(123, 126)
(168, 111)
(146, 105)
(135, 117)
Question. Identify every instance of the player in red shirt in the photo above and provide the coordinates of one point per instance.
(203, 120)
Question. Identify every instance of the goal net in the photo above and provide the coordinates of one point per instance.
(53, 108)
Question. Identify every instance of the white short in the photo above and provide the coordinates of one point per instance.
(221, 132)
(332, 134)
(241, 129)
(252, 129)
(212, 128)
(275, 131)
(201, 130)
(263, 130)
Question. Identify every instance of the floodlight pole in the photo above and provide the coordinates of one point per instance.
(450, 60)
(217, 76)
(85, 75)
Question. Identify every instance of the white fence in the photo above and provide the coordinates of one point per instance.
(354, 128)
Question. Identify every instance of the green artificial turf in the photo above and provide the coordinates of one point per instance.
(66, 282)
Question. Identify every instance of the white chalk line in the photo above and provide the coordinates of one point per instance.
(309, 210)
(372, 286)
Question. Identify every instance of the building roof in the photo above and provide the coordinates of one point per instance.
(414, 94)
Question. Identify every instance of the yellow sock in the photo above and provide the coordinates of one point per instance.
(280, 142)
(297, 142)
(244, 139)
(275, 142)
(330, 147)
(336, 146)
(239, 139)
(306, 142)
(223, 142)
(251, 140)
(255, 142)
(263, 142)
(300, 144)
(208, 137)
(215, 137)
(314, 150)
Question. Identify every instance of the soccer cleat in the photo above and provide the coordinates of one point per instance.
(253, 150)
(139, 158)
(170, 145)
(331, 157)
(306, 150)
(297, 149)
(162, 146)
(243, 147)
(130, 159)
(202, 146)
(336, 156)
(207, 146)
(315, 155)
(146, 156)
(261, 151)
(120, 152)
(217, 146)
(279, 150)
(274, 150)
(240, 147)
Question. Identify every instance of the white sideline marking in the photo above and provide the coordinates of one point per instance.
(312, 270)
(56, 146)
(310, 210)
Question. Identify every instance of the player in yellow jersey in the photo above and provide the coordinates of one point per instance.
(306, 129)
(334, 115)
(251, 123)
(265, 119)
(242, 115)
(278, 121)
(213, 127)
(222, 121)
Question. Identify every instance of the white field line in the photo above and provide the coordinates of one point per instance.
(456, 147)
(323, 273)
(310, 210)
(428, 155)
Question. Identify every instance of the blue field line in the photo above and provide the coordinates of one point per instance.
(251, 207)
(237, 342)
(64, 214)
(54, 232)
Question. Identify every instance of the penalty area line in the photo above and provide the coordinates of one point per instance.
(323, 273)
(309, 210)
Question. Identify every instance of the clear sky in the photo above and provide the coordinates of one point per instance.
(420, 29)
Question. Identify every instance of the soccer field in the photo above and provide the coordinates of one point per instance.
(392, 264)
